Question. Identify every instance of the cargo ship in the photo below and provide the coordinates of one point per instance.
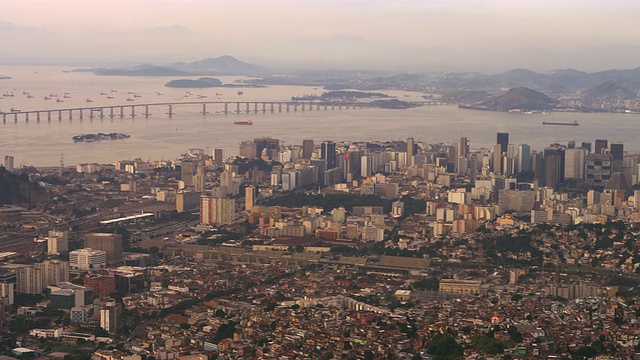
(249, 122)
(574, 123)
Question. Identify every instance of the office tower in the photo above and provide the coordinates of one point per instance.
(57, 242)
(496, 159)
(553, 166)
(463, 147)
(88, 259)
(109, 243)
(601, 144)
(249, 197)
(617, 152)
(597, 169)
(586, 146)
(216, 155)
(198, 180)
(29, 280)
(53, 271)
(410, 151)
(524, 158)
(574, 163)
(216, 210)
(111, 317)
(366, 165)
(248, 150)
(188, 168)
(268, 146)
(571, 144)
(473, 167)
(503, 141)
(307, 148)
(8, 163)
(328, 152)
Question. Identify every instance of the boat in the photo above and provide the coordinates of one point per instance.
(29, 96)
(58, 100)
(47, 98)
(129, 99)
(114, 90)
(240, 92)
(89, 100)
(109, 97)
(574, 123)
(13, 110)
(136, 95)
(8, 94)
(248, 122)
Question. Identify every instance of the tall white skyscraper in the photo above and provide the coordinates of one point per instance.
(57, 242)
(574, 163)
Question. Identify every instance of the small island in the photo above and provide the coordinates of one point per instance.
(99, 137)
(4, 77)
(206, 82)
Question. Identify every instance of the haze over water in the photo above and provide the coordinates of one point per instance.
(158, 136)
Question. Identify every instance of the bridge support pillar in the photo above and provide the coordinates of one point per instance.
(101, 113)
(121, 111)
(111, 112)
(26, 117)
(226, 108)
(81, 114)
(91, 114)
(264, 108)
(302, 106)
(279, 107)
(272, 107)
(59, 115)
(70, 114)
(288, 107)
(48, 115)
(133, 111)
(246, 108)
(146, 111)
(15, 118)
(255, 107)
(38, 116)
(237, 108)
(204, 109)
(170, 110)
(4, 118)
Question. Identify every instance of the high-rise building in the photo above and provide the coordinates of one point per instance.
(29, 280)
(216, 155)
(248, 150)
(553, 166)
(574, 163)
(249, 197)
(8, 163)
(198, 180)
(217, 211)
(597, 169)
(268, 145)
(410, 151)
(601, 144)
(88, 259)
(57, 242)
(496, 159)
(111, 317)
(524, 157)
(307, 148)
(463, 147)
(7, 294)
(109, 243)
(328, 152)
(586, 146)
(188, 169)
(617, 153)
(503, 141)
(53, 271)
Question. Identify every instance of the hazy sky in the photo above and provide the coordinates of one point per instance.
(409, 35)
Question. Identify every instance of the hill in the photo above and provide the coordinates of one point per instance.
(517, 99)
(148, 70)
(610, 90)
(17, 189)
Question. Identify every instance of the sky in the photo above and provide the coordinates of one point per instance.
(392, 35)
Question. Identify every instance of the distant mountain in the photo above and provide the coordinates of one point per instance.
(143, 71)
(521, 98)
(223, 65)
(610, 90)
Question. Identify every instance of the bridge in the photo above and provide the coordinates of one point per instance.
(226, 107)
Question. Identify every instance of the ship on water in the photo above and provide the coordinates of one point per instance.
(99, 137)
(573, 123)
(248, 122)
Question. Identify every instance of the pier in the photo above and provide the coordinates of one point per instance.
(169, 108)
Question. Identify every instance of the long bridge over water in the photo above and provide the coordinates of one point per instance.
(226, 107)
